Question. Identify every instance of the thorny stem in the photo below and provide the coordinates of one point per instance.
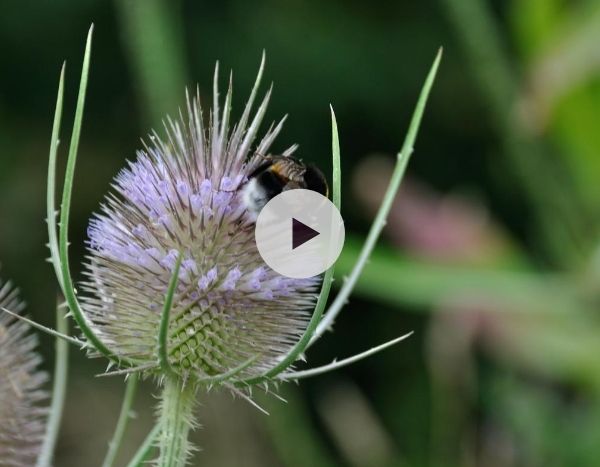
(176, 419)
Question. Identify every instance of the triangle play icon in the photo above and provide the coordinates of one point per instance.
(301, 233)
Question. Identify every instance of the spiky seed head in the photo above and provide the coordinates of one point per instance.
(182, 195)
(22, 410)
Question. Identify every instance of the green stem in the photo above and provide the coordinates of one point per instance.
(124, 416)
(59, 390)
(176, 419)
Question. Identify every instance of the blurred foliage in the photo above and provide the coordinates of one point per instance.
(492, 259)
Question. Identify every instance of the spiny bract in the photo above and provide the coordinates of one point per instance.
(182, 195)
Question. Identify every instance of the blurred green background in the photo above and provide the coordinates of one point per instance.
(490, 254)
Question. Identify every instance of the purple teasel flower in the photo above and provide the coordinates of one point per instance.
(183, 196)
(22, 410)
(175, 285)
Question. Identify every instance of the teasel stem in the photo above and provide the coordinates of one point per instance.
(176, 419)
(124, 416)
(59, 391)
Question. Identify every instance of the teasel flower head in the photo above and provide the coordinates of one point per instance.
(22, 410)
(180, 204)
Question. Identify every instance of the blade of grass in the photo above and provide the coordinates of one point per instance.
(421, 285)
(151, 33)
(59, 391)
(380, 219)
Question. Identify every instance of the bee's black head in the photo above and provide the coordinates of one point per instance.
(315, 180)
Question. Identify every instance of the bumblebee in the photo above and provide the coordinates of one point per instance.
(275, 174)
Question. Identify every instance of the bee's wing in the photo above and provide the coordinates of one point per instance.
(257, 164)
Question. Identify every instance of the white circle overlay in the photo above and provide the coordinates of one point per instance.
(274, 235)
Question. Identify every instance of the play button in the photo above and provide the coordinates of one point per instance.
(299, 233)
